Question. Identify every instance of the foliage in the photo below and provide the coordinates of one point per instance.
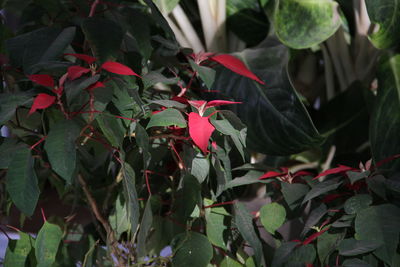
(132, 132)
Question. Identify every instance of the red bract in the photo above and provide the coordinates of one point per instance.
(86, 58)
(42, 79)
(339, 169)
(42, 101)
(200, 130)
(271, 174)
(74, 72)
(202, 105)
(96, 85)
(235, 65)
(118, 68)
(312, 237)
(215, 103)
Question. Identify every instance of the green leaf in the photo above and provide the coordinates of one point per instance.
(131, 198)
(385, 13)
(293, 193)
(385, 118)
(46, 245)
(105, 42)
(144, 229)
(190, 197)
(191, 249)
(356, 176)
(327, 244)
(9, 103)
(215, 227)
(200, 167)
(166, 6)
(154, 77)
(357, 203)
(159, 18)
(7, 151)
(112, 128)
(206, 74)
(142, 139)
(39, 46)
(282, 253)
(272, 216)
(21, 181)
(352, 247)
(224, 127)
(380, 224)
(355, 263)
(302, 255)
(322, 22)
(60, 148)
(229, 262)
(16, 256)
(244, 223)
(139, 28)
(277, 121)
(249, 178)
(321, 188)
(168, 117)
(169, 104)
(119, 220)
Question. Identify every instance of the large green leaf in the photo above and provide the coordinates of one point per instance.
(105, 36)
(272, 216)
(168, 117)
(215, 226)
(10, 102)
(18, 252)
(305, 23)
(276, 119)
(119, 220)
(385, 119)
(46, 245)
(131, 198)
(244, 223)
(352, 247)
(60, 148)
(326, 244)
(385, 13)
(39, 46)
(21, 181)
(145, 226)
(380, 224)
(191, 249)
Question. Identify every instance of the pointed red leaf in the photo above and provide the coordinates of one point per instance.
(339, 169)
(96, 85)
(312, 237)
(271, 174)
(74, 72)
(235, 65)
(386, 160)
(42, 79)
(86, 58)
(215, 103)
(42, 101)
(200, 130)
(118, 68)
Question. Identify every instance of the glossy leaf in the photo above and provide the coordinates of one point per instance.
(42, 101)
(168, 117)
(61, 149)
(322, 22)
(386, 14)
(235, 65)
(88, 59)
(46, 245)
(74, 72)
(200, 130)
(277, 122)
(42, 79)
(118, 68)
(21, 181)
(352, 247)
(191, 249)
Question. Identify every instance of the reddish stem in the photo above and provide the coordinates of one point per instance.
(220, 204)
(38, 142)
(93, 8)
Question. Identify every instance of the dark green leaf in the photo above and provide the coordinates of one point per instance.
(7, 151)
(159, 18)
(169, 104)
(355, 263)
(16, 257)
(352, 247)
(131, 198)
(321, 188)
(322, 21)
(142, 139)
(153, 77)
(357, 203)
(112, 128)
(10, 102)
(224, 127)
(144, 229)
(326, 244)
(244, 223)
(61, 149)
(190, 197)
(206, 74)
(215, 226)
(314, 217)
(168, 117)
(277, 121)
(200, 167)
(302, 255)
(293, 193)
(356, 176)
(249, 178)
(21, 181)
(46, 245)
(191, 249)
(282, 253)
(229, 262)
(139, 28)
(272, 216)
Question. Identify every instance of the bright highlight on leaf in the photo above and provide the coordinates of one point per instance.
(118, 68)
(42, 79)
(200, 130)
(74, 72)
(86, 58)
(235, 65)
(42, 101)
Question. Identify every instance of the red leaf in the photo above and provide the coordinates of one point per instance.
(339, 169)
(88, 59)
(302, 173)
(309, 265)
(96, 85)
(74, 72)
(118, 68)
(216, 103)
(386, 160)
(42, 79)
(42, 101)
(312, 237)
(271, 174)
(200, 130)
(235, 65)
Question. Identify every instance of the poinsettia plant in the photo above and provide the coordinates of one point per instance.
(206, 133)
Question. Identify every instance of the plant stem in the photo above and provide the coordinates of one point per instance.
(93, 8)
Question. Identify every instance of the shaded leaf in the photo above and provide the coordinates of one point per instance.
(282, 253)
(357, 203)
(191, 249)
(168, 117)
(352, 247)
(88, 59)
(10, 102)
(327, 244)
(119, 220)
(144, 229)
(215, 226)
(132, 204)
(206, 74)
(355, 263)
(321, 188)
(200, 167)
(46, 245)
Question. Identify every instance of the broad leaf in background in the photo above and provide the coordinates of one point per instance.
(191, 249)
(10, 102)
(385, 119)
(386, 14)
(39, 46)
(277, 121)
(18, 250)
(303, 24)
(105, 42)
(60, 148)
(21, 181)
(46, 245)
